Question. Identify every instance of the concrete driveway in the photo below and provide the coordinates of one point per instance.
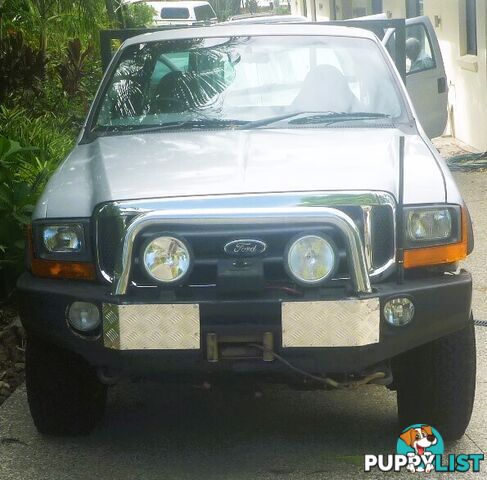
(152, 433)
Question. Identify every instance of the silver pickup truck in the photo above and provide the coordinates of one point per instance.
(254, 201)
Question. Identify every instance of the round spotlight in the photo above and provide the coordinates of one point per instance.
(311, 259)
(399, 312)
(166, 259)
(84, 316)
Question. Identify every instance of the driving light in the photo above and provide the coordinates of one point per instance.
(63, 238)
(166, 259)
(426, 225)
(84, 316)
(311, 259)
(398, 312)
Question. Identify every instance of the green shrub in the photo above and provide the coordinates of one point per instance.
(25, 164)
(21, 66)
(51, 133)
(138, 15)
(72, 70)
(23, 173)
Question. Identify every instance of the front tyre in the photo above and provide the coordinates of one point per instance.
(436, 383)
(64, 394)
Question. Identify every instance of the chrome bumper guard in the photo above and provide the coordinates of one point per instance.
(318, 215)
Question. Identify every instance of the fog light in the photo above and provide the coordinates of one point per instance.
(399, 311)
(84, 316)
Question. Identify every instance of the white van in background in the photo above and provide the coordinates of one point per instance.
(181, 13)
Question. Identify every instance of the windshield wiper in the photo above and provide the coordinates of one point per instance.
(312, 117)
(329, 119)
(268, 120)
(305, 118)
(200, 123)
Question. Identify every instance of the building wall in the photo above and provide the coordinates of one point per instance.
(397, 9)
(467, 74)
(323, 10)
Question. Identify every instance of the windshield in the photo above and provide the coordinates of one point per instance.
(226, 82)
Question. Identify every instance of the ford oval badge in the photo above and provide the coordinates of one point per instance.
(245, 248)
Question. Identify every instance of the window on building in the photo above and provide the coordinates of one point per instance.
(414, 8)
(471, 27)
(345, 9)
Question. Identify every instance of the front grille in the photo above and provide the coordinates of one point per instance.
(382, 235)
(207, 244)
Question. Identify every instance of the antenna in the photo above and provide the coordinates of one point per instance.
(400, 216)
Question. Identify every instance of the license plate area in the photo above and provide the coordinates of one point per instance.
(151, 327)
(342, 323)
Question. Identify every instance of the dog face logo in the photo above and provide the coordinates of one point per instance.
(420, 443)
(420, 438)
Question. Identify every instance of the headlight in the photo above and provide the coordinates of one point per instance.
(63, 238)
(311, 259)
(166, 259)
(61, 249)
(432, 225)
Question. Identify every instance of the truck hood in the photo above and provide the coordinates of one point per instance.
(176, 164)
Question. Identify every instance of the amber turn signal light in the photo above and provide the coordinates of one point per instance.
(67, 270)
(428, 256)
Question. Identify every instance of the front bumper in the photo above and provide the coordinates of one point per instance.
(442, 303)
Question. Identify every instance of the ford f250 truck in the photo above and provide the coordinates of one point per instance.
(255, 201)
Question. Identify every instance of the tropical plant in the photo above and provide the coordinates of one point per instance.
(18, 196)
(49, 22)
(46, 82)
(114, 10)
(21, 66)
(52, 134)
(73, 69)
(251, 6)
(138, 15)
(225, 8)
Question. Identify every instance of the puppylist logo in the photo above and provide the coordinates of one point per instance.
(420, 448)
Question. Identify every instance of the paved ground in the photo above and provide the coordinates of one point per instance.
(153, 434)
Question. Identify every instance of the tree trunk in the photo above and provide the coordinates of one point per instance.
(114, 10)
(112, 16)
(121, 18)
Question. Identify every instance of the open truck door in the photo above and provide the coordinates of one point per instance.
(426, 80)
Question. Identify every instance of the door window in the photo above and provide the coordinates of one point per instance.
(419, 53)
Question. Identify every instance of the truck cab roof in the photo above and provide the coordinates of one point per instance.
(236, 30)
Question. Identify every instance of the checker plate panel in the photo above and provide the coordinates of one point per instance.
(344, 323)
(151, 327)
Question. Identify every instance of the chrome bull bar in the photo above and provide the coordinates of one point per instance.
(318, 215)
